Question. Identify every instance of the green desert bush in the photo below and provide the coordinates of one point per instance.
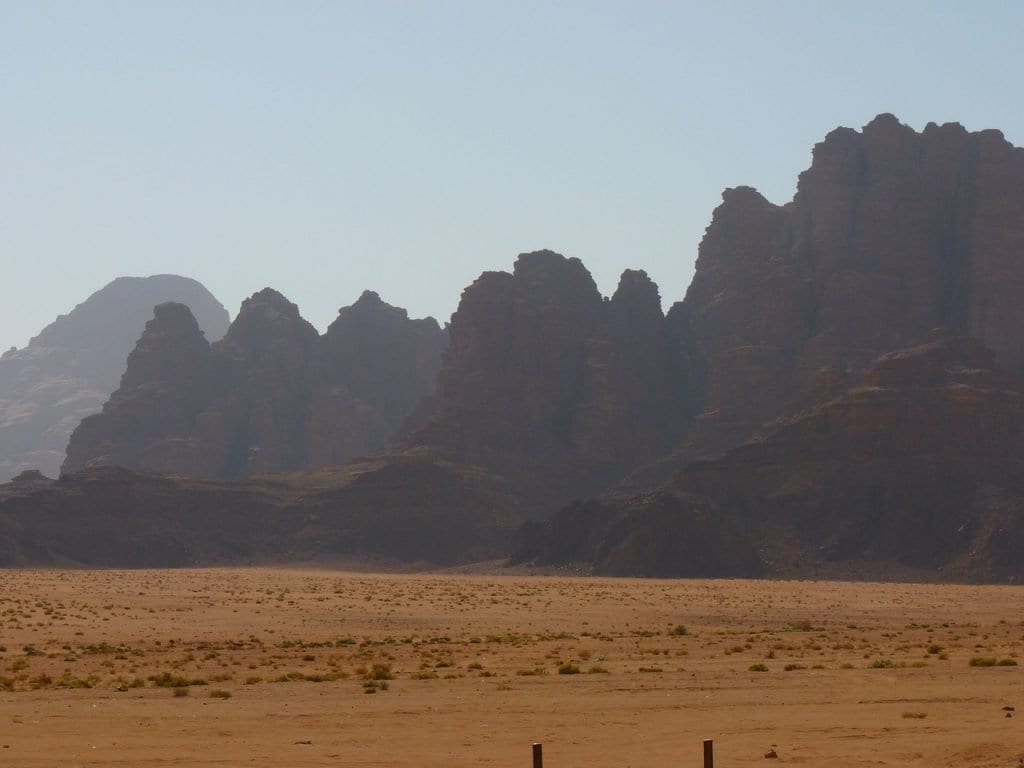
(983, 661)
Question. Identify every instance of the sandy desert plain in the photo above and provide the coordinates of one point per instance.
(267, 667)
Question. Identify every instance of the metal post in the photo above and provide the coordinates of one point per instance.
(538, 756)
(709, 753)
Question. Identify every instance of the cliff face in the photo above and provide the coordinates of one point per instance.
(69, 370)
(917, 462)
(891, 233)
(551, 385)
(272, 396)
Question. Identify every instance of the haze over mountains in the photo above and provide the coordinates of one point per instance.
(272, 396)
(69, 370)
(839, 391)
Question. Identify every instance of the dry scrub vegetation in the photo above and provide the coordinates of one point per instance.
(304, 668)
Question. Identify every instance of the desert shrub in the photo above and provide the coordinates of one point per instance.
(380, 672)
(40, 681)
(757, 668)
(914, 715)
(883, 664)
(1006, 663)
(219, 693)
(289, 677)
(167, 680)
(568, 669)
(180, 692)
(679, 630)
(597, 670)
(66, 681)
(803, 625)
(983, 661)
(792, 667)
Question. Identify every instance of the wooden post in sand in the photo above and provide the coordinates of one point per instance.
(538, 756)
(709, 753)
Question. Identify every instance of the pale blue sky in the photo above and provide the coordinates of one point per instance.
(327, 147)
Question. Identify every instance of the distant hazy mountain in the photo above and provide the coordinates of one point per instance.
(272, 396)
(69, 370)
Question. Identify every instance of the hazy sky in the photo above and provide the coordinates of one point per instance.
(327, 147)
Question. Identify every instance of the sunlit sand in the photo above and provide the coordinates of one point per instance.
(304, 668)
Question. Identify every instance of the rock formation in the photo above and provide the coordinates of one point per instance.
(69, 370)
(917, 462)
(361, 514)
(891, 233)
(552, 386)
(272, 396)
(795, 413)
(660, 535)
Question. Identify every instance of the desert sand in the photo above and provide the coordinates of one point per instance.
(263, 667)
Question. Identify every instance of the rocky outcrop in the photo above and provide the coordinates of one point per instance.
(891, 233)
(918, 462)
(386, 360)
(362, 514)
(272, 396)
(69, 370)
(552, 386)
(659, 535)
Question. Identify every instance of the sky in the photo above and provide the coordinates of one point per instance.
(324, 148)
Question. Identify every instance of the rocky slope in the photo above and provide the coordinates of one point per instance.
(918, 462)
(69, 370)
(366, 512)
(272, 396)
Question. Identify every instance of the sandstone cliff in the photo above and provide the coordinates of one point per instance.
(272, 396)
(916, 463)
(552, 386)
(891, 233)
(69, 370)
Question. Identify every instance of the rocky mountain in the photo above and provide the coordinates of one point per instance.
(69, 370)
(551, 385)
(891, 233)
(272, 396)
(797, 413)
(917, 463)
